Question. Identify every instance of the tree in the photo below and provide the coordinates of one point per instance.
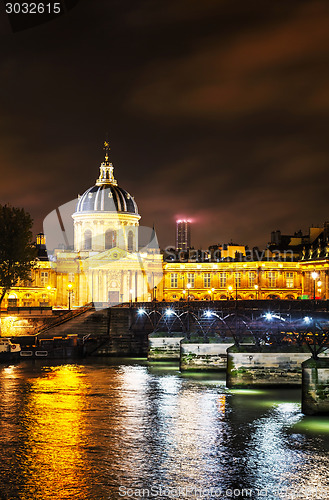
(17, 251)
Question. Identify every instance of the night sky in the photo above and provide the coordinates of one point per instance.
(216, 110)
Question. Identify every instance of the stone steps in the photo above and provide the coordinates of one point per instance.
(90, 322)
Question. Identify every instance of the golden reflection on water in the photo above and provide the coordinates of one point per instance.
(79, 432)
(54, 431)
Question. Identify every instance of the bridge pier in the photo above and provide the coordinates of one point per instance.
(249, 366)
(164, 348)
(315, 387)
(201, 356)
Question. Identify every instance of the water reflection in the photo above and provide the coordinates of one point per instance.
(81, 432)
(51, 458)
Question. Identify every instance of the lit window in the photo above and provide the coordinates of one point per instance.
(222, 280)
(27, 300)
(174, 280)
(251, 279)
(43, 278)
(190, 279)
(271, 275)
(44, 302)
(206, 280)
(238, 280)
(290, 280)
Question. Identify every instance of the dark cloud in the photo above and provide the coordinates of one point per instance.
(216, 110)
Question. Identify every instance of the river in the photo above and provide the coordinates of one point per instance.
(116, 428)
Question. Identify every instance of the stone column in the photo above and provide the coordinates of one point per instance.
(249, 366)
(163, 348)
(205, 357)
(315, 387)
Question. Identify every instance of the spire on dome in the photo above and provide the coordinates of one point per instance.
(106, 149)
(106, 169)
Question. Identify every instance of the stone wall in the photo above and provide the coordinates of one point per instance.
(315, 387)
(164, 348)
(248, 366)
(205, 357)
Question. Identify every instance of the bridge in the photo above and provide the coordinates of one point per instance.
(262, 342)
(257, 322)
(257, 342)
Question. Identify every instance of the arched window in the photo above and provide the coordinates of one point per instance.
(87, 240)
(110, 239)
(12, 300)
(130, 241)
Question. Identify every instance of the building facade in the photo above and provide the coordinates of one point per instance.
(107, 265)
(233, 280)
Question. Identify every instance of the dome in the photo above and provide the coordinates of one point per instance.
(106, 195)
(107, 198)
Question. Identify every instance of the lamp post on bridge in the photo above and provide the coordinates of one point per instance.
(69, 288)
(315, 277)
(188, 286)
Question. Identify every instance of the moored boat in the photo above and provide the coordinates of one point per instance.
(8, 350)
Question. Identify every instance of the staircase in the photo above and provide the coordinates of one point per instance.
(88, 322)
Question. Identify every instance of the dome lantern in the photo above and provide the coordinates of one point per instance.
(106, 169)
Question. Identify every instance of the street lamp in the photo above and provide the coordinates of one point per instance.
(257, 291)
(155, 294)
(131, 296)
(211, 293)
(188, 286)
(314, 276)
(230, 288)
(69, 287)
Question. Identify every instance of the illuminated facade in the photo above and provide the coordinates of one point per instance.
(232, 280)
(186, 281)
(107, 265)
